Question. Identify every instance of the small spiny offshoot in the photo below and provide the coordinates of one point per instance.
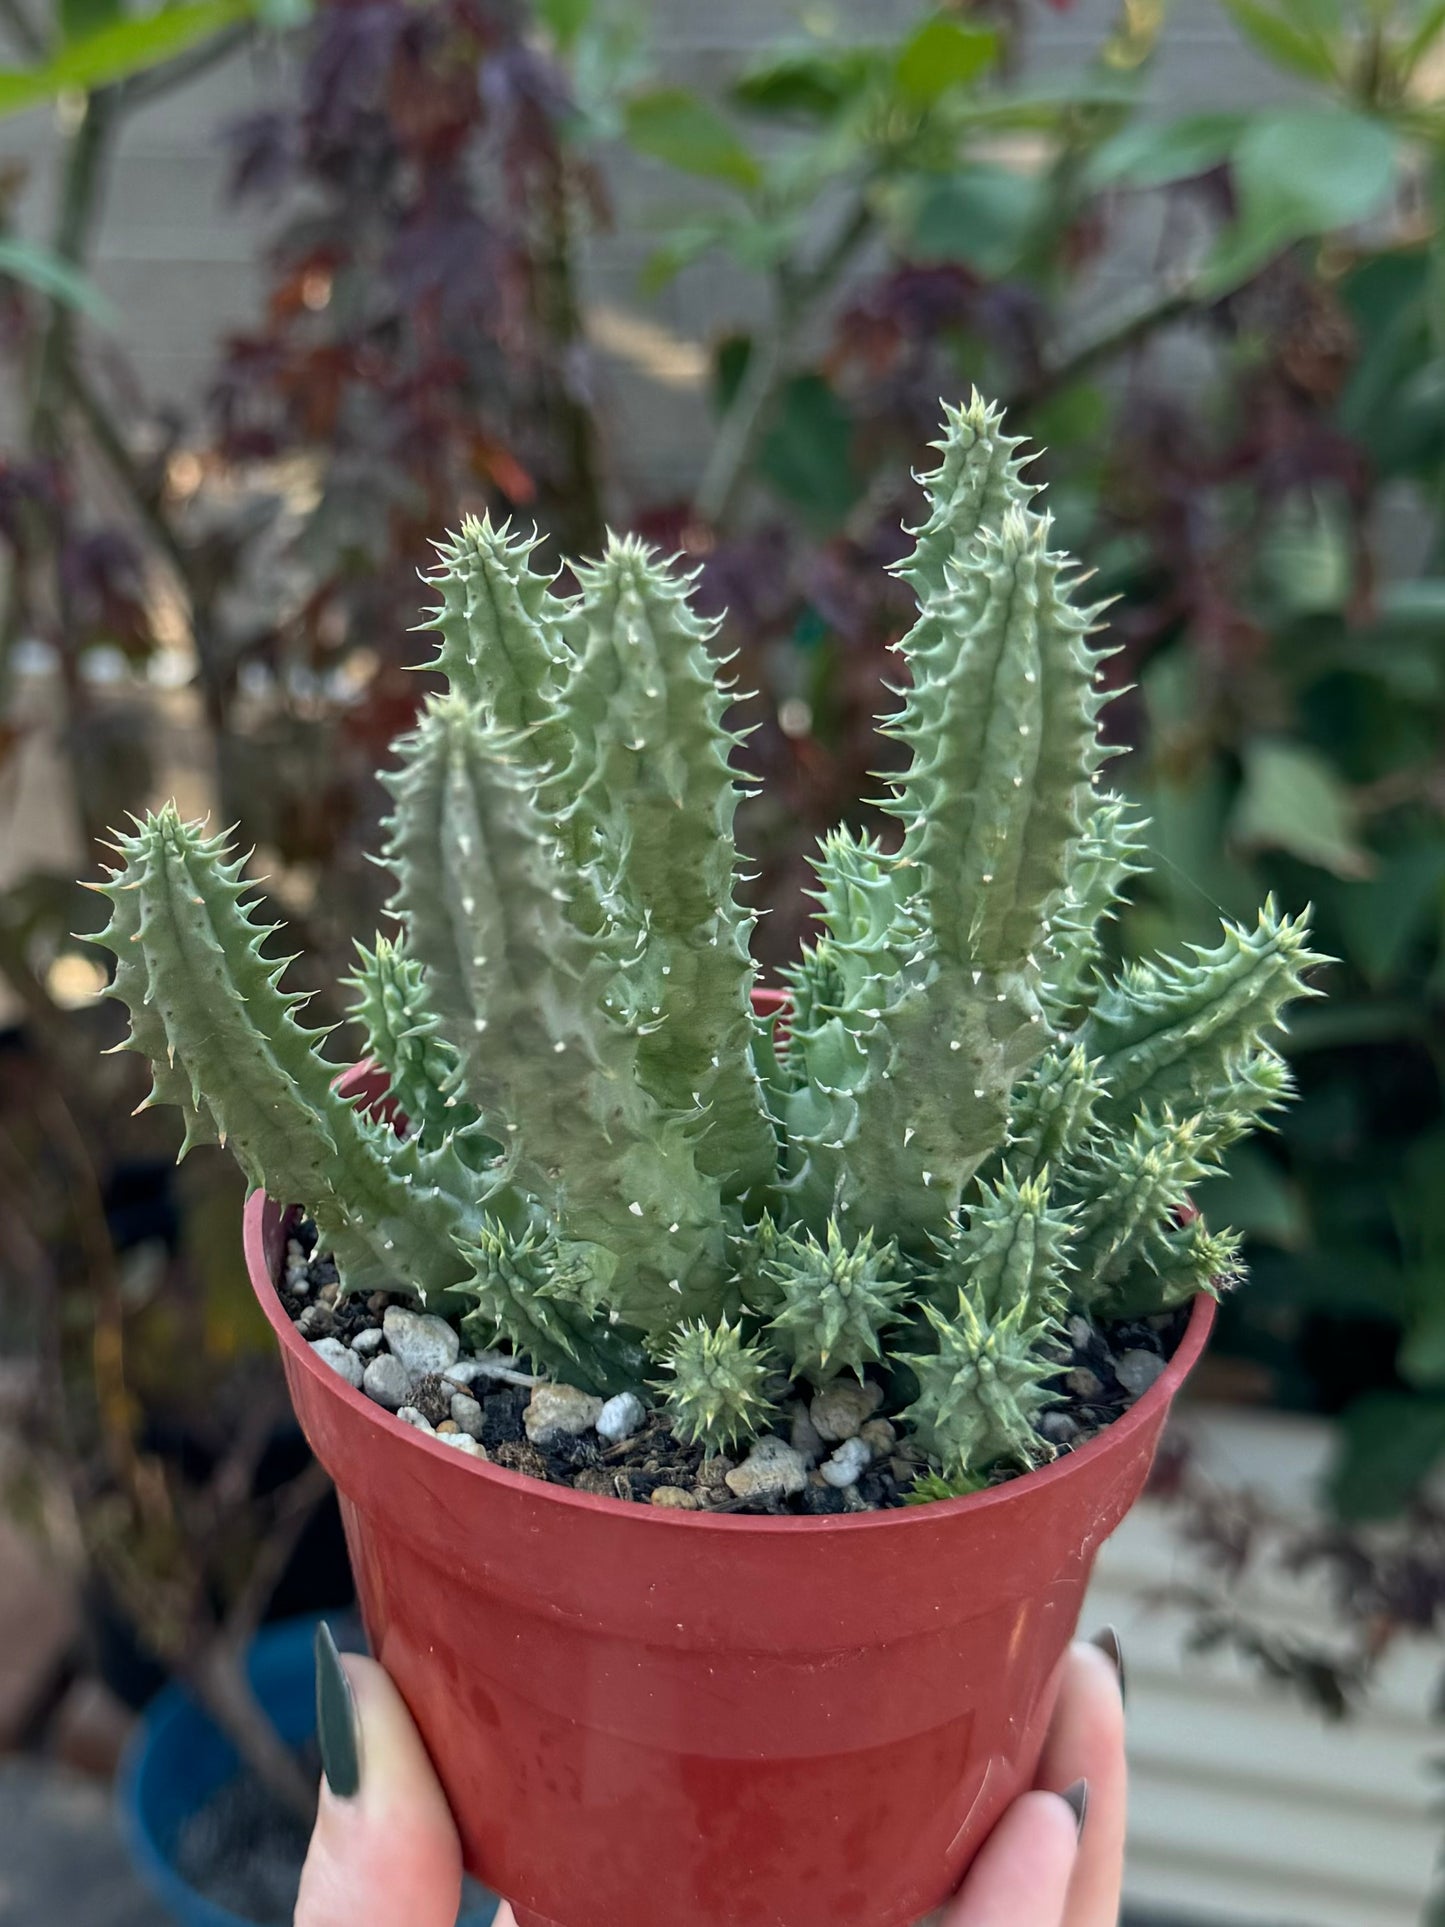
(715, 1385)
(970, 1131)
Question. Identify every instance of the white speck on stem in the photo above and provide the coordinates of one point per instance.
(635, 1209)
(908, 1136)
(953, 1044)
(560, 1046)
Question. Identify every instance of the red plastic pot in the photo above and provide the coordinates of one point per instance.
(647, 1718)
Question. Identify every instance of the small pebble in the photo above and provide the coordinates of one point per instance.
(298, 1280)
(369, 1341)
(409, 1415)
(712, 1474)
(1081, 1333)
(1058, 1428)
(560, 1411)
(847, 1464)
(1137, 1371)
(879, 1436)
(771, 1470)
(388, 1381)
(674, 1498)
(467, 1414)
(328, 1295)
(840, 1411)
(463, 1442)
(316, 1322)
(620, 1417)
(343, 1362)
(377, 1303)
(1084, 1384)
(904, 1471)
(805, 1438)
(447, 1428)
(423, 1342)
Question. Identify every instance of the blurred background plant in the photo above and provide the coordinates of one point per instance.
(1227, 330)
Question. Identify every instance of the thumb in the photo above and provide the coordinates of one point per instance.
(385, 1850)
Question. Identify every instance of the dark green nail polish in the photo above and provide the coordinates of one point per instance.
(1076, 1799)
(1110, 1646)
(336, 1729)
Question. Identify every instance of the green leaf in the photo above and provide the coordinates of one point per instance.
(1421, 1358)
(1152, 154)
(814, 85)
(1257, 1198)
(51, 275)
(1381, 919)
(807, 455)
(979, 214)
(1388, 1443)
(943, 53)
(564, 19)
(677, 127)
(1428, 30)
(1293, 800)
(129, 46)
(1415, 604)
(1302, 172)
(79, 18)
(1305, 556)
(1301, 48)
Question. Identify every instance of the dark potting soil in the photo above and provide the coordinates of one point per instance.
(243, 1851)
(1102, 1371)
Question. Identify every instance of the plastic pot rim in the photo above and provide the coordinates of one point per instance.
(664, 1519)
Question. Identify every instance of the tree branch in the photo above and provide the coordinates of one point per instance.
(1119, 332)
(746, 421)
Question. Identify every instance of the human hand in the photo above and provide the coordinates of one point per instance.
(385, 1852)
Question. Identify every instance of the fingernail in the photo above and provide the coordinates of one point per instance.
(1110, 1645)
(1076, 1799)
(336, 1729)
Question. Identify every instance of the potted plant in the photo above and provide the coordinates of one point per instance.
(724, 1421)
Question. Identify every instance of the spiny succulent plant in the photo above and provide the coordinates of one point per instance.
(610, 1163)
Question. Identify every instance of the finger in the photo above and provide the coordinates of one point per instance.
(1086, 1742)
(1021, 1875)
(385, 1851)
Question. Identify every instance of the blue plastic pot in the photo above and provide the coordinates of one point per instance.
(178, 1759)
